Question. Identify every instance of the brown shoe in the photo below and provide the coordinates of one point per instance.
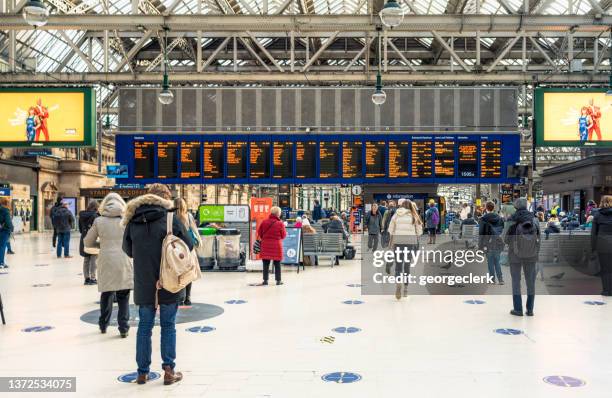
(142, 378)
(170, 376)
(398, 291)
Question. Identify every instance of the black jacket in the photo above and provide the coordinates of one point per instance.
(86, 220)
(145, 229)
(63, 220)
(6, 223)
(336, 226)
(601, 233)
(485, 229)
(519, 217)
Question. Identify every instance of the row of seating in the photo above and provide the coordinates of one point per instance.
(323, 245)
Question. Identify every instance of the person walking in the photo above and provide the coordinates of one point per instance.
(405, 228)
(145, 223)
(432, 219)
(86, 220)
(6, 229)
(115, 271)
(317, 211)
(490, 240)
(189, 223)
(601, 242)
(523, 240)
(373, 223)
(63, 222)
(384, 234)
(271, 233)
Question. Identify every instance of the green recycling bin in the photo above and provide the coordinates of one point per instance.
(206, 252)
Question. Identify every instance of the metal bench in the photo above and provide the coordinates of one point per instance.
(469, 233)
(326, 245)
(318, 227)
(454, 230)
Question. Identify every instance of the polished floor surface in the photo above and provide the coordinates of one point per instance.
(280, 342)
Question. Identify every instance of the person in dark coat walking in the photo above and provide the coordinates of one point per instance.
(145, 229)
(63, 222)
(523, 239)
(490, 240)
(6, 229)
(373, 222)
(86, 220)
(54, 209)
(601, 242)
(317, 211)
(271, 232)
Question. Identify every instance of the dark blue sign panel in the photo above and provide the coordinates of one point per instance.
(291, 246)
(318, 158)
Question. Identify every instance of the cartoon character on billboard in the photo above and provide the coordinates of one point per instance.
(585, 122)
(595, 113)
(32, 123)
(43, 114)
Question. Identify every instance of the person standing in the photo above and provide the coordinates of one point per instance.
(465, 210)
(86, 220)
(384, 235)
(405, 229)
(317, 211)
(432, 219)
(271, 233)
(601, 242)
(63, 222)
(6, 229)
(523, 240)
(145, 223)
(54, 209)
(189, 223)
(490, 240)
(373, 223)
(115, 271)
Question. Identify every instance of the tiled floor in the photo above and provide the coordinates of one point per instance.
(423, 346)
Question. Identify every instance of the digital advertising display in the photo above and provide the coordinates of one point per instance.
(573, 117)
(47, 117)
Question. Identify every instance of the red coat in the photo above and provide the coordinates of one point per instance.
(272, 232)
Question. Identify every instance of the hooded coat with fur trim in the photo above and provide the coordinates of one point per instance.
(145, 230)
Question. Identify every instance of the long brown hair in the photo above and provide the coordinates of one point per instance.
(414, 212)
(181, 211)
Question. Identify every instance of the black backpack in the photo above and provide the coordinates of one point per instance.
(526, 241)
(494, 232)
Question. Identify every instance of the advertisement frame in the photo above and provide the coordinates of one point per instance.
(89, 117)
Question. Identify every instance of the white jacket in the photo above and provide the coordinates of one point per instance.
(403, 229)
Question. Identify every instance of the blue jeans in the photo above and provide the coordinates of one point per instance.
(529, 269)
(167, 321)
(494, 265)
(4, 238)
(63, 240)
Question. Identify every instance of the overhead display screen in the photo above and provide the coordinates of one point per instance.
(490, 158)
(236, 159)
(260, 159)
(422, 158)
(445, 159)
(329, 152)
(468, 159)
(399, 156)
(306, 159)
(214, 159)
(351, 159)
(282, 157)
(375, 159)
(167, 165)
(144, 159)
(190, 159)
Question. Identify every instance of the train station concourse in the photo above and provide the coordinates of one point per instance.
(306, 198)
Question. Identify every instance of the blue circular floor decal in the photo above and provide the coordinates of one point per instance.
(474, 301)
(41, 285)
(200, 329)
(197, 312)
(36, 329)
(564, 381)
(235, 302)
(594, 303)
(353, 302)
(345, 329)
(341, 377)
(508, 331)
(354, 285)
(131, 377)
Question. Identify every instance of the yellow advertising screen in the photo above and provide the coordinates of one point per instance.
(40, 118)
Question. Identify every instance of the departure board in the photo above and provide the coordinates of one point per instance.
(144, 159)
(468, 160)
(236, 159)
(375, 159)
(306, 159)
(490, 159)
(167, 159)
(445, 159)
(282, 157)
(190, 160)
(399, 155)
(422, 157)
(328, 159)
(260, 159)
(214, 160)
(351, 159)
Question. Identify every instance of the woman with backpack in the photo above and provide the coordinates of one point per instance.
(271, 233)
(185, 217)
(432, 219)
(86, 220)
(490, 241)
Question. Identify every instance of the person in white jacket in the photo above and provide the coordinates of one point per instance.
(405, 229)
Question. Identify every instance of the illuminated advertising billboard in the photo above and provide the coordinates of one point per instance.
(573, 117)
(47, 117)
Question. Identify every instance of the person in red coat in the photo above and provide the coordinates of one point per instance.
(271, 232)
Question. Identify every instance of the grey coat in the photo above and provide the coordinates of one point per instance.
(115, 270)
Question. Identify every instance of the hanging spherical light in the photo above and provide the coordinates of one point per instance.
(379, 97)
(35, 13)
(391, 14)
(165, 96)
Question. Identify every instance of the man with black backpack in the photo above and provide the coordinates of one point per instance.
(523, 239)
(490, 240)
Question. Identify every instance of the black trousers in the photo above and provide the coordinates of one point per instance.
(106, 309)
(605, 262)
(188, 292)
(266, 270)
(54, 237)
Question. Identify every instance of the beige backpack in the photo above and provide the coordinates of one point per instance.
(179, 265)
